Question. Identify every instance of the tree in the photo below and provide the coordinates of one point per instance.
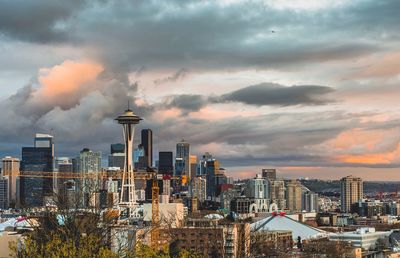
(329, 249)
(75, 227)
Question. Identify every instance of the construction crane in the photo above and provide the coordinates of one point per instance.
(98, 175)
(155, 216)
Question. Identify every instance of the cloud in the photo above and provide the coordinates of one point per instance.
(186, 102)
(278, 95)
(65, 84)
(264, 94)
(381, 66)
(180, 74)
(37, 21)
(76, 100)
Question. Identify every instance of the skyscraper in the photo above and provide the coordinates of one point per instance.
(37, 159)
(4, 203)
(310, 202)
(192, 166)
(62, 165)
(182, 157)
(117, 156)
(269, 173)
(89, 161)
(11, 172)
(277, 193)
(117, 148)
(165, 162)
(351, 191)
(294, 196)
(147, 143)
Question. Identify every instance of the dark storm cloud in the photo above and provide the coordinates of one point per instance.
(205, 35)
(38, 21)
(185, 102)
(263, 94)
(275, 94)
(180, 74)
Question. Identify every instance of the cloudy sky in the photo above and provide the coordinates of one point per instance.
(309, 87)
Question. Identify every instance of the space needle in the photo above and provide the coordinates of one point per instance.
(127, 201)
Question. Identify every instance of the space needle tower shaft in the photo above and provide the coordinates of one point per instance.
(127, 201)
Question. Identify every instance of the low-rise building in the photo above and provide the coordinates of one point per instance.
(264, 242)
(364, 238)
(170, 213)
(210, 238)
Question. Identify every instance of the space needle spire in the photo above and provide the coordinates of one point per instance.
(127, 201)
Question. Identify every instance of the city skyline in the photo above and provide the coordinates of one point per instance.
(310, 89)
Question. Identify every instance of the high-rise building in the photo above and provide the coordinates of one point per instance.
(202, 167)
(89, 161)
(4, 203)
(44, 141)
(117, 148)
(182, 157)
(198, 188)
(116, 160)
(351, 191)
(139, 158)
(277, 193)
(269, 173)
(258, 189)
(35, 160)
(63, 164)
(165, 162)
(310, 202)
(147, 143)
(293, 196)
(192, 166)
(117, 157)
(11, 172)
(61, 183)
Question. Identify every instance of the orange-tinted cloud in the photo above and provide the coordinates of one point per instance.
(386, 66)
(66, 83)
(359, 146)
(357, 138)
(373, 158)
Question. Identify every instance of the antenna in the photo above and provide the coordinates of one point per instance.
(128, 104)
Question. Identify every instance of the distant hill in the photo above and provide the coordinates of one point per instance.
(333, 186)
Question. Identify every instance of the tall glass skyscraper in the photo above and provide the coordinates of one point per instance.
(147, 143)
(165, 162)
(182, 158)
(39, 158)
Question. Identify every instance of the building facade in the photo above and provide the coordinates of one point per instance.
(293, 196)
(11, 167)
(182, 157)
(269, 173)
(147, 143)
(277, 193)
(36, 160)
(165, 163)
(351, 191)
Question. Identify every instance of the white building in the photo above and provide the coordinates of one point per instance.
(171, 213)
(363, 237)
(258, 189)
(280, 221)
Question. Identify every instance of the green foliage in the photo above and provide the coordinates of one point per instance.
(57, 246)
